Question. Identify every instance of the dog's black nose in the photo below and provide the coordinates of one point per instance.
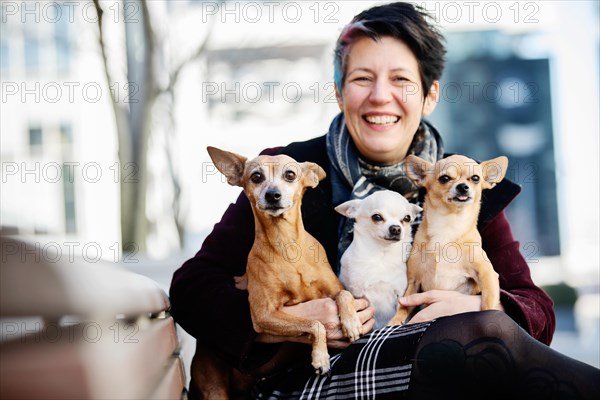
(272, 196)
(395, 230)
(462, 188)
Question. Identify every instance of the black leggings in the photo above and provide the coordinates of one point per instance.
(486, 355)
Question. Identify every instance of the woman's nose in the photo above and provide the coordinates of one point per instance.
(381, 92)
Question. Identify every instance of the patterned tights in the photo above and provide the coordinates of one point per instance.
(487, 356)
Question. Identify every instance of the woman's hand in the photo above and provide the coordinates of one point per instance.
(441, 303)
(326, 311)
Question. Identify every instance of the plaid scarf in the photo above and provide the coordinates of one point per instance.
(354, 178)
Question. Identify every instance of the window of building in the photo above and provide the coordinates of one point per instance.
(62, 45)
(32, 53)
(35, 136)
(69, 197)
(4, 49)
(66, 133)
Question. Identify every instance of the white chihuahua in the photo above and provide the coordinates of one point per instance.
(374, 265)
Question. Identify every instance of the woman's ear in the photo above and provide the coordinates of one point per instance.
(432, 98)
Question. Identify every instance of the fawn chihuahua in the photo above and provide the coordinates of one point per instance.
(286, 265)
(447, 252)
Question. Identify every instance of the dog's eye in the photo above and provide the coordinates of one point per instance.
(376, 218)
(407, 218)
(475, 178)
(444, 179)
(257, 177)
(289, 176)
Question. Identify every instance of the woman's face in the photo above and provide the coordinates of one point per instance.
(382, 98)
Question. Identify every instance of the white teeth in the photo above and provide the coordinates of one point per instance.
(381, 119)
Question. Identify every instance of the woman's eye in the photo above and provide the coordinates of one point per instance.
(475, 178)
(444, 179)
(361, 79)
(376, 218)
(289, 176)
(256, 177)
(407, 218)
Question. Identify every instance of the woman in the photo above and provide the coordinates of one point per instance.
(388, 63)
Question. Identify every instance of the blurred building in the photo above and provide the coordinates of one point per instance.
(58, 144)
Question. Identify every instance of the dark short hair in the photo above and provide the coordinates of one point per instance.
(403, 21)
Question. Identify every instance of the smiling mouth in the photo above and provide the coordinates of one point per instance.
(381, 119)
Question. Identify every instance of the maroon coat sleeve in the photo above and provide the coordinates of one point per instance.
(526, 303)
(204, 300)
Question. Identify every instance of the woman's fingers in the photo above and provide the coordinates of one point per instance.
(424, 298)
(326, 311)
(440, 303)
(361, 304)
(365, 316)
(369, 324)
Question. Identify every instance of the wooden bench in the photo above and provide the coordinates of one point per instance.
(73, 329)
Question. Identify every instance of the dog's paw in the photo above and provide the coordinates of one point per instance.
(241, 282)
(320, 362)
(352, 327)
(399, 318)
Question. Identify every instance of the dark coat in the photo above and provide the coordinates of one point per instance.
(208, 306)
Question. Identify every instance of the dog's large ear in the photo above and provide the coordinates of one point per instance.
(415, 210)
(312, 174)
(416, 169)
(494, 171)
(349, 208)
(229, 164)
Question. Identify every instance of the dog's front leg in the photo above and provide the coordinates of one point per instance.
(281, 324)
(211, 374)
(489, 285)
(400, 317)
(351, 325)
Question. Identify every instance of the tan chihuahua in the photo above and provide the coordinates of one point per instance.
(447, 253)
(286, 265)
